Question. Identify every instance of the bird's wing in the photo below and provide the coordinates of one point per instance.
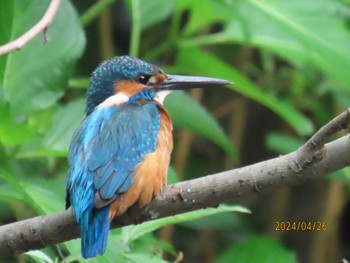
(108, 145)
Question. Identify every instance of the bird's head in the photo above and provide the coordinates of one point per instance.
(118, 79)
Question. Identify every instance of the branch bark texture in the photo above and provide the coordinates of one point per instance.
(42, 25)
(314, 159)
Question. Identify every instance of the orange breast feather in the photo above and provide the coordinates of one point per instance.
(151, 174)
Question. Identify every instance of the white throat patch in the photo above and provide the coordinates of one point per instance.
(121, 98)
(115, 100)
(160, 96)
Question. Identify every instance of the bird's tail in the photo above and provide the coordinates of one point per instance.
(94, 229)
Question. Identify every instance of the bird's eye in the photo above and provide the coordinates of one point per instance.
(143, 79)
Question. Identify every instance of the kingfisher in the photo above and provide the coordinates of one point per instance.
(120, 153)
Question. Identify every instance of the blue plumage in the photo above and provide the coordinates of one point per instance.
(103, 155)
(107, 146)
(94, 226)
(122, 126)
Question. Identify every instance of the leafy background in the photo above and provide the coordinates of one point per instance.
(290, 63)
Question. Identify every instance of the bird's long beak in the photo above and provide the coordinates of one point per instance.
(177, 82)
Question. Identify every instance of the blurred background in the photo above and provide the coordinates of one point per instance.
(290, 63)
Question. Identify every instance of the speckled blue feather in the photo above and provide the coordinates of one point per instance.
(112, 70)
(102, 157)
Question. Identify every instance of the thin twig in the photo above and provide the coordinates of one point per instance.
(42, 25)
(317, 141)
(207, 191)
(313, 148)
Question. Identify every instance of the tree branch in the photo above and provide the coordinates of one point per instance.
(314, 159)
(42, 25)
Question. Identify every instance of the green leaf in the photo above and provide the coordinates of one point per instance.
(192, 60)
(13, 132)
(282, 143)
(301, 32)
(154, 11)
(134, 232)
(74, 248)
(222, 221)
(142, 246)
(47, 195)
(214, 11)
(187, 113)
(57, 138)
(317, 34)
(34, 77)
(11, 181)
(257, 250)
(342, 176)
(39, 256)
(8, 194)
(141, 258)
(115, 250)
(65, 121)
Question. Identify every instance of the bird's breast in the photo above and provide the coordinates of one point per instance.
(150, 175)
(165, 136)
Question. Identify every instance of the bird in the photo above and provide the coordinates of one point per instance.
(120, 153)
